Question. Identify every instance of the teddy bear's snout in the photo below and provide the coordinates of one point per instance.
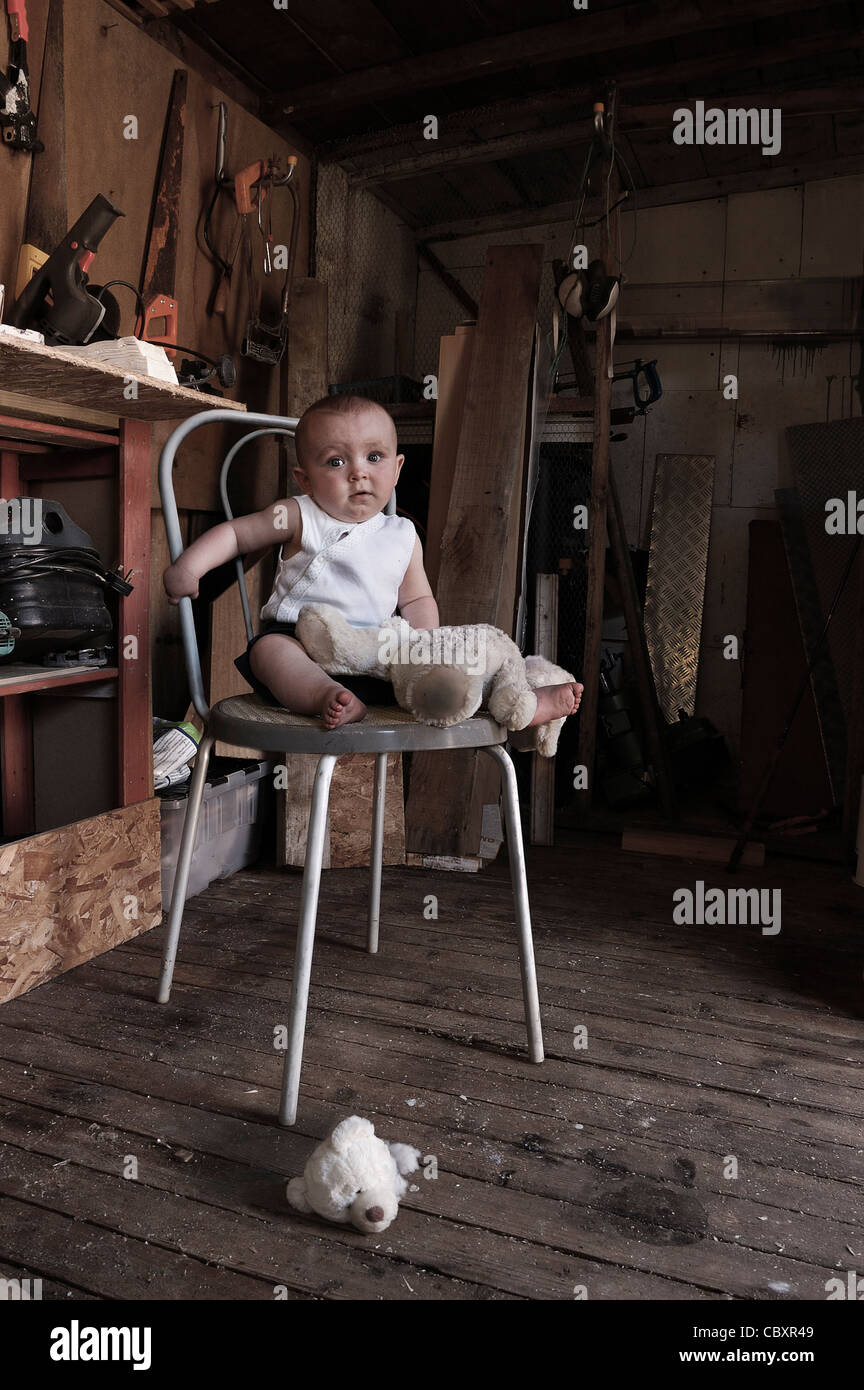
(375, 1214)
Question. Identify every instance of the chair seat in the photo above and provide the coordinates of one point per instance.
(249, 721)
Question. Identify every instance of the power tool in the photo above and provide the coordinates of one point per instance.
(73, 314)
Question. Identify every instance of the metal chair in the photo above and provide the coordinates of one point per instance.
(248, 720)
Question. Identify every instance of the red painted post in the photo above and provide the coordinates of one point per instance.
(135, 735)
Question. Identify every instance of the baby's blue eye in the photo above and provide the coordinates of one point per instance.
(335, 460)
(374, 458)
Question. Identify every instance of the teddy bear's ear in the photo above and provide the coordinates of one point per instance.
(355, 1127)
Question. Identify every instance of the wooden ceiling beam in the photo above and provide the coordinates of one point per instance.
(652, 116)
(126, 11)
(582, 34)
(658, 115)
(691, 191)
(456, 127)
(485, 152)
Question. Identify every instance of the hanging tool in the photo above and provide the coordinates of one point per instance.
(225, 266)
(17, 121)
(647, 373)
(266, 342)
(47, 211)
(160, 258)
(73, 314)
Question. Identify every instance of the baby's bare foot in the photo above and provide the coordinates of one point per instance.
(556, 701)
(340, 706)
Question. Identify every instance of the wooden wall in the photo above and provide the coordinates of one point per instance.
(113, 70)
(786, 257)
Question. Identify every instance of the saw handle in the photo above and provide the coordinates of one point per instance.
(17, 11)
(161, 306)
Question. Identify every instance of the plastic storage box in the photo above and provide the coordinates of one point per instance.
(230, 827)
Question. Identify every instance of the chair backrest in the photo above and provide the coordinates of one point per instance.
(269, 424)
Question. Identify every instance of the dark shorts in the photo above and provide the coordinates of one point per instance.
(369, 689)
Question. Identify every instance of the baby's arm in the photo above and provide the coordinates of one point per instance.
(278, 524)
(416, 602)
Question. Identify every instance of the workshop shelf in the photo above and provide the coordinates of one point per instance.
(19, 678)
(35, 370)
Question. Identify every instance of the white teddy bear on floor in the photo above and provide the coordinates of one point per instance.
(440, 675)
(355, 1176)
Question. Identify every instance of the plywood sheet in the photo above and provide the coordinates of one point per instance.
(680, 243)
(833, 217)
(70, 894)
(763, 234)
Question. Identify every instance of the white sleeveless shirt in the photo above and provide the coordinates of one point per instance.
(357, 566)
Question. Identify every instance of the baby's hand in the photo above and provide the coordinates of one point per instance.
(179, 582)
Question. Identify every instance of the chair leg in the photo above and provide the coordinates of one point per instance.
(305, 938)
(516, 853)
(184, 864)
(377, 851)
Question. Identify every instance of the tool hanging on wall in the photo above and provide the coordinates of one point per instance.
(17, 120)
(254, 185)
(645, 379)
(47, 212)
(160, 254)
(590, 292)
(225, 265)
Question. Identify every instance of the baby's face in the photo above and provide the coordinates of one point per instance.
(350, 464)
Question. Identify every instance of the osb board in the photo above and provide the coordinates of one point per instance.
(351, 795)
(72, 893)
(349, 827)
(35, 369)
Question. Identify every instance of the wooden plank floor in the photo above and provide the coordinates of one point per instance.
(607, 1169)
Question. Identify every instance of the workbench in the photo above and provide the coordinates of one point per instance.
(49, 438)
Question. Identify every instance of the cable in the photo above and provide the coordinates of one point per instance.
(40, 562)
(137, 293)
(618, 158)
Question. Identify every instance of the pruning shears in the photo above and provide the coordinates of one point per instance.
(17, 120)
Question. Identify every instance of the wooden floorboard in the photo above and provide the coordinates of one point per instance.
(603, 1167)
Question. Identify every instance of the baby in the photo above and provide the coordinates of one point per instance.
(339, 547)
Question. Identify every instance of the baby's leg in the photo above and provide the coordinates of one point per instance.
(299, 684)
(556, 701)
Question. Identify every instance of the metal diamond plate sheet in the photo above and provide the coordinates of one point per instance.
(678, 560)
